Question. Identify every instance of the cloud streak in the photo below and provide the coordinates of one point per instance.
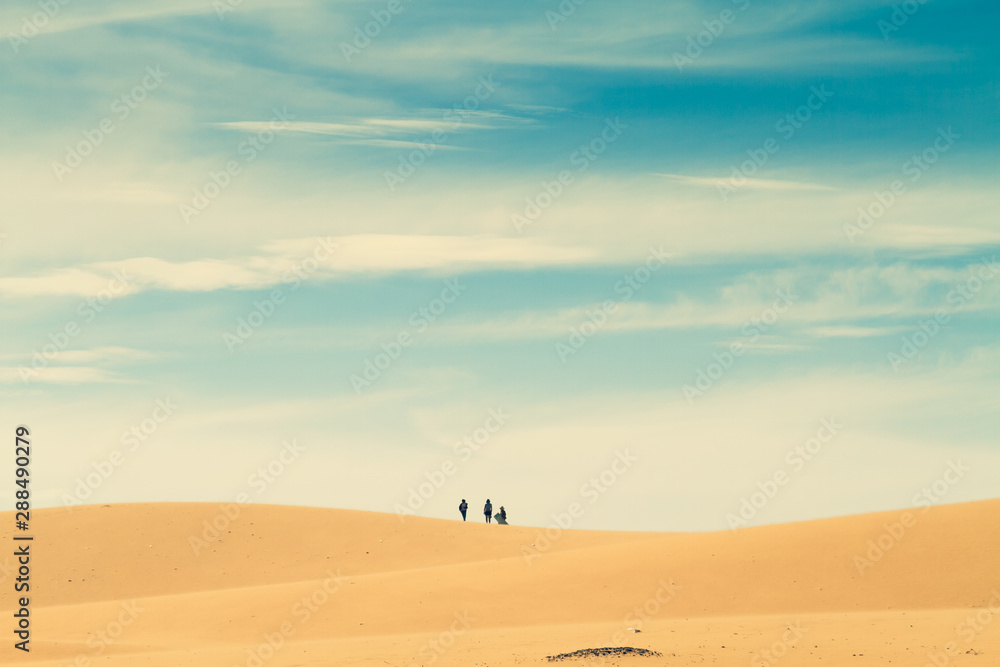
(443, 121)
(358, 254)
(752, 183)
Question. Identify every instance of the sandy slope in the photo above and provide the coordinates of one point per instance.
(149, 585)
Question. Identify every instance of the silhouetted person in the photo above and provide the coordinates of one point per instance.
(488, 510)
(463, 508)
(503, 513)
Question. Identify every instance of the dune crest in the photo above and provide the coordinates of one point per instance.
(202, 584)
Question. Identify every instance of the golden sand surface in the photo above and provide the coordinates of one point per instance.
(157, 584)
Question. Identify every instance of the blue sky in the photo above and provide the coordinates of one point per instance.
(620, 253)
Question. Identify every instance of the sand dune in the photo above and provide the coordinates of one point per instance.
(156, 584)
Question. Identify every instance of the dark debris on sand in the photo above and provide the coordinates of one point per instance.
(602, 652)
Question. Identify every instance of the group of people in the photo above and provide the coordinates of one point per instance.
(463, 507)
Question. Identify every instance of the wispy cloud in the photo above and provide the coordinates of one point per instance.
(398, 143)
(108, 353)
(941, 236)
(63, 375)
(759, 45)
(77, 17)
(364, 253)
(849, 331)
(436, 121)
(751, 183)
(841, 304)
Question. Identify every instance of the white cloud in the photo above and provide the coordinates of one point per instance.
(72, 366)
(766, 344)
(446, 254)
(405, 145)
(78, 17)
(620, 215)
(941, 236)
(837, 306)
(443, 120)
(749, 45)
(750, 183)
(849, 331)
(106, 354)
(59, 375)
(363, 253)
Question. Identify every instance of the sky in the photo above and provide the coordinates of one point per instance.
(678, 266)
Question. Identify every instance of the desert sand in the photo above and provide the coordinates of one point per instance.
(153, 584)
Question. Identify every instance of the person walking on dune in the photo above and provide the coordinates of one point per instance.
(488, 510)
(463, 508)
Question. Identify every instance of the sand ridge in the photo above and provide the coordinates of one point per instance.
(321, 586)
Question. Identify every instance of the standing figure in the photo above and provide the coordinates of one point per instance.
(463, 508)
(488, 510)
